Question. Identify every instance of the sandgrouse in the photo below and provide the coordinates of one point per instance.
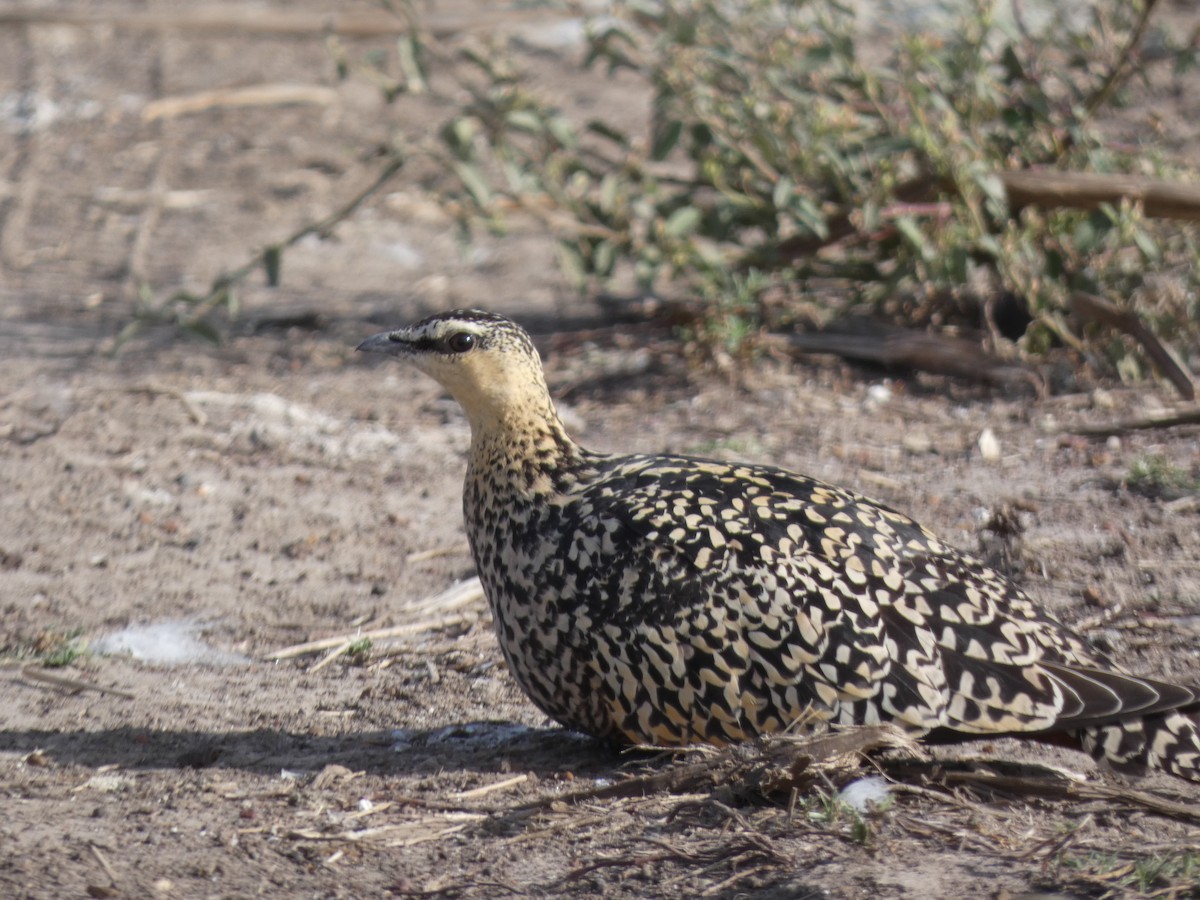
(669, 600)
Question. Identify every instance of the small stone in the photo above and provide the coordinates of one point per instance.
(918, 443)
(878, 394)
(989, 445)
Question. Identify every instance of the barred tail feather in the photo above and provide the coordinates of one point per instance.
(1169, 741)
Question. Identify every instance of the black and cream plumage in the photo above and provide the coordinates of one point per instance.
(666, 600)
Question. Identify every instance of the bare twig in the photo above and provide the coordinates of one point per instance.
(1088, 190)
(908, 349)
(104, 863)
(1187, 416)
(1097, 309)
(490, 788)
(1064, 789)
(72, 684)
(268, 258)
(1123, 66)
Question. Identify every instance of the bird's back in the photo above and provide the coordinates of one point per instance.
(668, 600)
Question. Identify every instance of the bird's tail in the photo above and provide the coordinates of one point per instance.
(1169, 741)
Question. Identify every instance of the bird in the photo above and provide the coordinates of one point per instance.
(670, 600)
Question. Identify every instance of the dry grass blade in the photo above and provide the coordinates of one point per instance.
(253, 95)
(490, 788)
(342, 643)
(455, 597)
(396, 834)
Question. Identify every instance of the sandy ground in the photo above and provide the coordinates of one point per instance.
(180, 512)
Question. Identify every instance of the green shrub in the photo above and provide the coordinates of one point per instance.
(791, 164)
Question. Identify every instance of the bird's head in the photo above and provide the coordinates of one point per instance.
(486, 361)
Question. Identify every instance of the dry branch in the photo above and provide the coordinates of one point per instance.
(1189, 416)
(1064, 789)
(921, 351)
(33, 673)
(1097, 309)
(1088, 190)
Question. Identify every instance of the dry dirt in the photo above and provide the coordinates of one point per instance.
(204, 507)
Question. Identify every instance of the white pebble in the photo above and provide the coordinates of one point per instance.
(989, 445)
(878, 394)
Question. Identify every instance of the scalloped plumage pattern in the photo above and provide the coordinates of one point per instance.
(669, 600)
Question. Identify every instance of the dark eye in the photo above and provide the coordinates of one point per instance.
(461, 342)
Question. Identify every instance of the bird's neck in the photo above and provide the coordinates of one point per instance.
(522, 450)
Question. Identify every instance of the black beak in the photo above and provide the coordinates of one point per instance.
(384, 342)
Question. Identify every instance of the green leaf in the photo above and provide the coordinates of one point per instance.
(666, 138)
(524, 120)
(1147, 245)
(574, 267)
(459, 135)
(563, 131)
(609, 194)
(203, 329)
(915, 237)
(272, 262)
(605, 130)
(682, 222)
(604, 258)
(781, 197)
(473, 180)
(408, 52)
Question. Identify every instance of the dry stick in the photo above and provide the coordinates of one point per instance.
(1096, 309)
(104, 863)
(1043, 188)
(1088, 190)
(1123, 67)
(332, 655)
(195, 412)
(1069, 790)
(71, 684)
(927, 352)
(1166, 420)
(489, 788)
(254, 95)
(437, 552)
